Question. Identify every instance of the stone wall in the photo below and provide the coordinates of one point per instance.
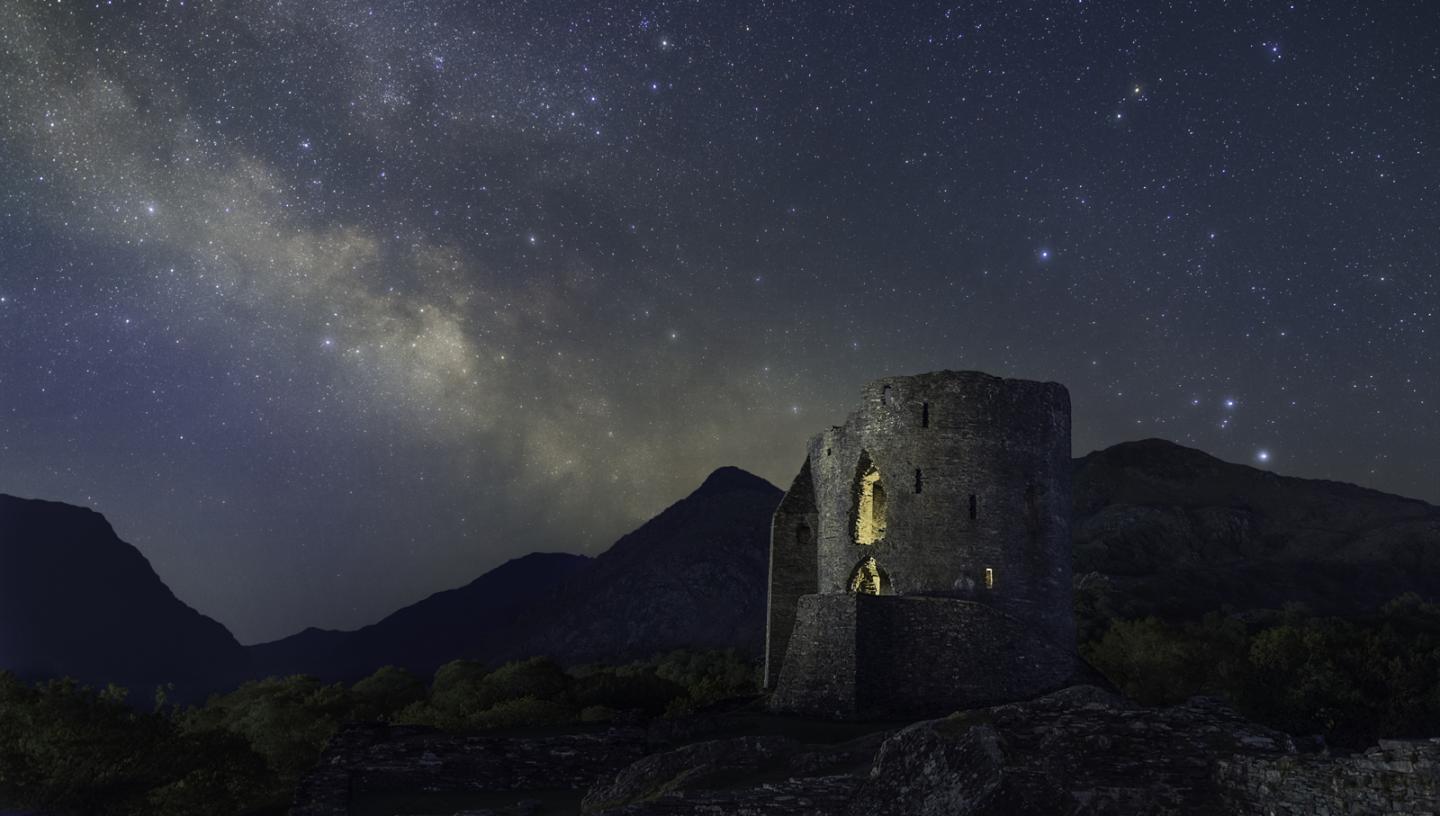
(870, 657)
(1394, 778)
(818, 673)
(792, 568)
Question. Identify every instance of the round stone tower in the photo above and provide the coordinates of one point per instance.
(935, 522)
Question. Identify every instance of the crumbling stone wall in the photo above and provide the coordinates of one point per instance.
(792, 567)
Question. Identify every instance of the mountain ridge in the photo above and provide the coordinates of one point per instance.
(1159, 528)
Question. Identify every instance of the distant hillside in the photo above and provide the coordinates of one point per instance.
(1164, 529)
(471, 621)
(695, 575)
(76, 600)
(692, 576)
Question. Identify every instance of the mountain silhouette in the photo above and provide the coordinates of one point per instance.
(77, 601)
(1162, 529)
(692, 576)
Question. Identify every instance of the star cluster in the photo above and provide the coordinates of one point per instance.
(330, 305)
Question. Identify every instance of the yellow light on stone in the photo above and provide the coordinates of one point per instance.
(989, 578)
(870, 515)
(866, 580)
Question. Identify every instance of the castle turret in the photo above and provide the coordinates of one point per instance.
(921, 559)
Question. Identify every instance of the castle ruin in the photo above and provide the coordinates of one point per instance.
(920, 561)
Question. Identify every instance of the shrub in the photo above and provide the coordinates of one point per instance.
(386, 692)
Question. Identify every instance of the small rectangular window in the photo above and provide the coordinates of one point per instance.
(989, 578)
(917, 480)
(924, 414)
(973, 507)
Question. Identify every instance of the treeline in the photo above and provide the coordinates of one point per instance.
(68, 749)
(1350, 681)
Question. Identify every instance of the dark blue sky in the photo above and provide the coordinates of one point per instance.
(331, 305)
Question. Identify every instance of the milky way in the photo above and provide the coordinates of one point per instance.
(331, 305)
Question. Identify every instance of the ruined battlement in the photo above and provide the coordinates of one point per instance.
(948, 486)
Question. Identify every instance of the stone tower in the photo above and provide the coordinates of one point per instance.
(920, 561)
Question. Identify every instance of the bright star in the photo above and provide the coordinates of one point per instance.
(1262, 456)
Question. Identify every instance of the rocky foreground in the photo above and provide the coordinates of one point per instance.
(1077, 751)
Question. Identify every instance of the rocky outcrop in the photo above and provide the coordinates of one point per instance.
(366, 763)
(1394, 777)
(780, 776)
(1078, 751)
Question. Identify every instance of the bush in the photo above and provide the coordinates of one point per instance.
(286, 720)
(68, 749)
(1350, 681)
(384, 693)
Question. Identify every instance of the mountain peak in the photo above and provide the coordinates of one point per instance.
(729, 479)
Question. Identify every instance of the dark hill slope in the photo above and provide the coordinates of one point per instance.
(77, 601)
(695, 575)
(467, 621)
(692, 576)
(1165, 529)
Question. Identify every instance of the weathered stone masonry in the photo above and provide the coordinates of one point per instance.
(920, 560)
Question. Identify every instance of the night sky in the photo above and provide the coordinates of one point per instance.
(329, 305)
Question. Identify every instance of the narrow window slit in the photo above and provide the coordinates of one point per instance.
(973, 508)
(917, 480)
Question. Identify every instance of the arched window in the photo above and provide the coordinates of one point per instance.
(869, 579)
(870, 504)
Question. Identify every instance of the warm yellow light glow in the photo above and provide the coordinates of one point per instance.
(866, 579)
(989, 578)
(870, 515)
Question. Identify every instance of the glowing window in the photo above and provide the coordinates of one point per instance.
(870, 508)
(868, 579)
(989, 578)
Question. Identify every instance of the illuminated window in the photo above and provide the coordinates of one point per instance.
(868, 579)
(989, 578)
(870, 507)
